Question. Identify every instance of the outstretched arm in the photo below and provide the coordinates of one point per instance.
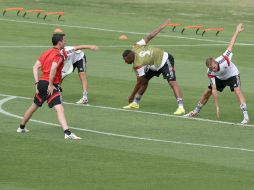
(239, 29)
(139, 88)
(91, 47)
(215, 100)
(156, 31)
(135, 90)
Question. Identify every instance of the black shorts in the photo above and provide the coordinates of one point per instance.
(167, 70)
(80, 65)
(232, 82)
(42, 96)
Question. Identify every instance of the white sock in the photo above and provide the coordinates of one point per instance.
(85, 93)
(179, 102)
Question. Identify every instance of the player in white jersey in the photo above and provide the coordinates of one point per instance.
(222, 72)
(77, 59)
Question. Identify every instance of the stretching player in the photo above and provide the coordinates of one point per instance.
(222, 72)
(77, 59)
(149, 62)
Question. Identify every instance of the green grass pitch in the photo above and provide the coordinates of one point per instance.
(142, 150)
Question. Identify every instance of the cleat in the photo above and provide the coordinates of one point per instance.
(132, 105)
(245, 121)
(19, 130)
(82, 101)
(72, 136)
(179, 111)
(191, 114)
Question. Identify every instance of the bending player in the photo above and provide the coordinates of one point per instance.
(77, 59)
(222, 72)
(149, 62)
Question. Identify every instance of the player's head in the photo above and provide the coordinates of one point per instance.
(58, 31)
(58, 40)
(128, 56)
(212, 64)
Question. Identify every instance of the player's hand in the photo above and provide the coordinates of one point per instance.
(166, 23)
(218, 112)
(130, 98)
(94, 48)
(50, 89)
(36, 89)
(239, 28)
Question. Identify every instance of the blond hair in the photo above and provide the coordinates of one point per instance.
(209, 61)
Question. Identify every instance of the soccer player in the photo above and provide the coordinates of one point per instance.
(222, 72)
(148, 62)
(51, 64)
(77, 59)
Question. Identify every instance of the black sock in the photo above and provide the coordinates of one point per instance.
(22, 126)
(67, 131)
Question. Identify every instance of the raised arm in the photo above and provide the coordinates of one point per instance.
(91, 47)
(156, 31)
(239, 29)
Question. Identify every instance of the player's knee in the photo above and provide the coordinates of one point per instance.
(208, 92)
(172, 84)
(59, 108)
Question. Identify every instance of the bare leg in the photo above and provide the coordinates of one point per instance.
(202, 101)
(60, 116)
(205, 97)
(143, 86)
(83, 80)
(176, 89)
(239, 95)
(28, 114)
(62, 120)
(243, 106)
(179, 97)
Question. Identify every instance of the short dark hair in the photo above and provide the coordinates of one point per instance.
(126, 52)
(57, 37)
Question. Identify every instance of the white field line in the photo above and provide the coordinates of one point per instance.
(120, 46)
(111, 30)
(8, 98)
(144, 112)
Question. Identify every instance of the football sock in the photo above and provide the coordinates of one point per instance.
(179, 102)
(198, 107)
(244, 109)
(67, 131)
(137, 98)
(85, 93)
(22, 126)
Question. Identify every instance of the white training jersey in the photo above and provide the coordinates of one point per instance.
(226, 70)
(72, 55)
(141, 71)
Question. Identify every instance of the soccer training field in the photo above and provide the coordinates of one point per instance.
(142, 149)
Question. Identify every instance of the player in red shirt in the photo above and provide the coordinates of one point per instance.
(51, 64)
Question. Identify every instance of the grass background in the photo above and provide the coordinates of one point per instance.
(42, 159)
